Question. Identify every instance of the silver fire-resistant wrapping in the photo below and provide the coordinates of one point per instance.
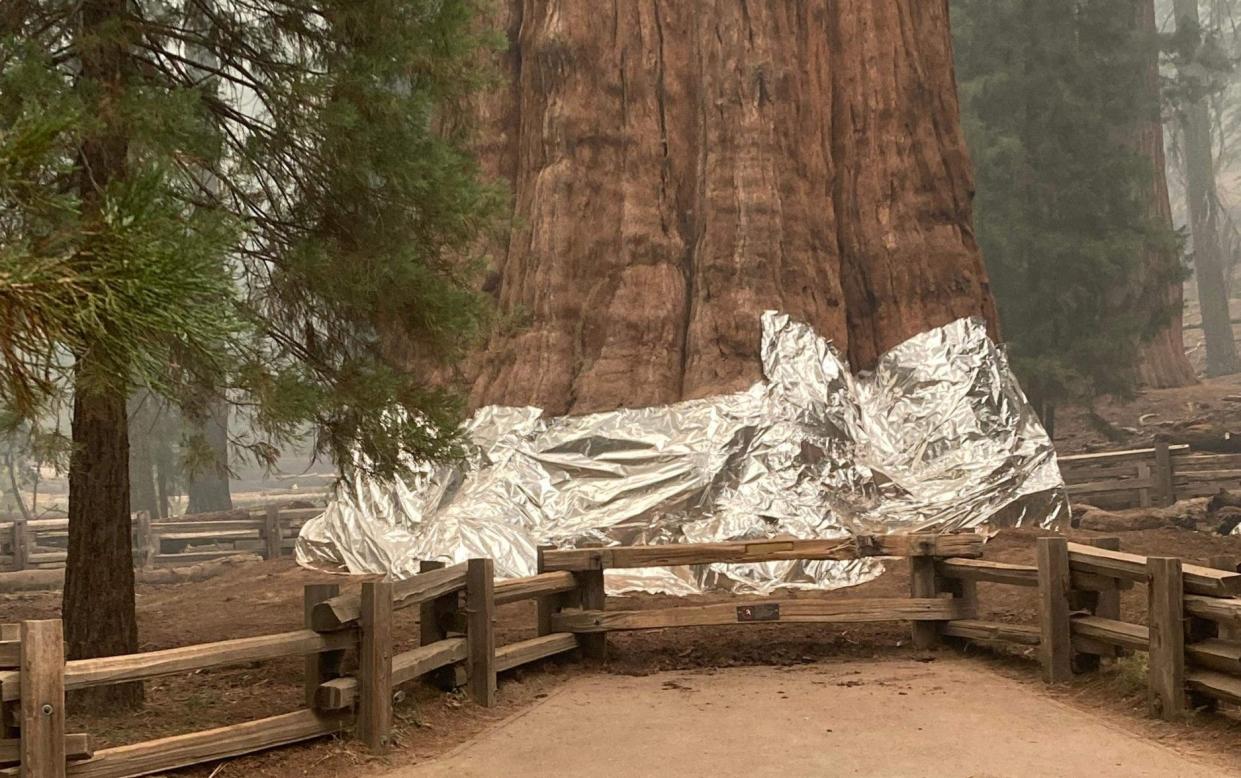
(939, 437)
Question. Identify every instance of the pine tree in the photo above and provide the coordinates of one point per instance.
(211, 198)
(1047, 89)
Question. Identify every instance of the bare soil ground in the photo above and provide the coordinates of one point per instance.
(895, 717)
(1214, 403)
(264, 597)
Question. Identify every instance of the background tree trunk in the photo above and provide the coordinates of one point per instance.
(679, 167)
(207, 486)
(1201, 198)
(1163, 362)
(142, 414)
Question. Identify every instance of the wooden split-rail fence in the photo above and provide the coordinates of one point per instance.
(352, 670)
(269, 532)
(1145, 477)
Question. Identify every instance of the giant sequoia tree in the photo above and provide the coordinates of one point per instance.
(1192, 55)
(678, 167)
(1162, 363)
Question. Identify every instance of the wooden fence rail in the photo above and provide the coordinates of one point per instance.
(1193, 634)
(1192, 637)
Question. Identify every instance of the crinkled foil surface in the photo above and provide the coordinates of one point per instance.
(938, 438)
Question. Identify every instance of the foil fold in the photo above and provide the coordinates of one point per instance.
(939, 437)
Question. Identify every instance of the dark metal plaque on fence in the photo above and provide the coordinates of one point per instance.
(763, 611)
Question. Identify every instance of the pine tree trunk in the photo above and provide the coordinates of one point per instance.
(98, 600)
(99, 574)
(1163, 361)
(680, 167)
(1202, 201)
(208, 487)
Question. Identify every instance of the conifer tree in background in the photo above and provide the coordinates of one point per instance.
(1163, 363)
(1192, 51)
(345, 203)
(1061, 208)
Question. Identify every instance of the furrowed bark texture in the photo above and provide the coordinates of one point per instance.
(1163, 361)
(680, 167)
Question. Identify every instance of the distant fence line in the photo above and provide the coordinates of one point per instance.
(1145, 477)
(269, 532)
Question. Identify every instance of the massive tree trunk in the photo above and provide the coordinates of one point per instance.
(679, 167)
(98, 604)
(1201, 198)
(1163, 360)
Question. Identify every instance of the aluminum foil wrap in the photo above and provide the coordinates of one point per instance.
(938, 438)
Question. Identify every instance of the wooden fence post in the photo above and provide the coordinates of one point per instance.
(271, 533)
(43, 699)
(146, 555)
(923, 583)
(11, 712)
(1166, 675)
(1054, 583)
(375, 666)
(154, 544)
(324, 666)
(1144, 493)
(21, 551)
(1105, 604)
(592, 597)
(544, 607)
(1225, 562)
(432, 616)
(480, 607)
(1165, 483)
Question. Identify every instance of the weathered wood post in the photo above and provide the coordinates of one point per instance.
(326, 665)
(43, 699)
(480, 610)
(375, 666)
(271, 533)
(1102, 601)
(154, 544)
(923, 583)
(21, 551)
(1144, 493)
(1232, 563)
(592, 597)
(433, 616)
(1054, 584)
(1107, 604)
(1165, 483)
(146, 555)
(1166, 675)
(11, 712)
(544, 607)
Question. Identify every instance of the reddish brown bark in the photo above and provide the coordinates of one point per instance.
(679, 167)
(1163, 362)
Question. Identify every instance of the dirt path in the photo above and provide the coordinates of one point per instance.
(950, 718)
